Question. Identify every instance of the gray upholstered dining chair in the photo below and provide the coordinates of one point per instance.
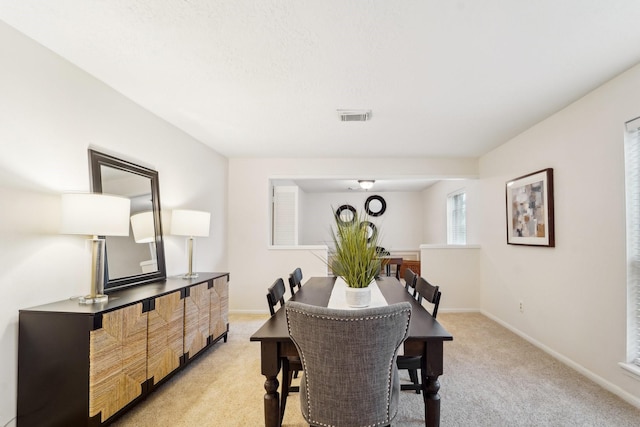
(350, 376)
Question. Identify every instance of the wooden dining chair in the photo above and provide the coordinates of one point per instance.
(424, 291)
(410, 281)
(290, 365)
(341, 390)
(429, 293)
(295, 283)
(275, 295)
(295, 280)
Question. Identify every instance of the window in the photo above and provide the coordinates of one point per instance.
(457, 218)
(632, 184)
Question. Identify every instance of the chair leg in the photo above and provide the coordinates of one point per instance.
(413, 375)
(290, 380)
(286, 382)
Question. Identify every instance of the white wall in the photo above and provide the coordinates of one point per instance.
(434, 201)
(574, 295)
(253, 265)
(50, 113)
(456, 269)
(400, 226)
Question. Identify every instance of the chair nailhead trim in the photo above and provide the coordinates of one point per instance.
(382, 423)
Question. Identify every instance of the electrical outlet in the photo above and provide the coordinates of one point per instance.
(521, 307)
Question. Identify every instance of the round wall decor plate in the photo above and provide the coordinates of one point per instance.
(346, 214)
(375, 205)
(371, 229)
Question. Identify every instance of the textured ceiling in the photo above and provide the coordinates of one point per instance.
(264, 78)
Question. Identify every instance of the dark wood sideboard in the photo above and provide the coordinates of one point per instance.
(84, 365)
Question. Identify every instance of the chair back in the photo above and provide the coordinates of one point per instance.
(358, 384)
(390, 263)
(275, 295)
(428, 292)
(295, 280)
(410, 281)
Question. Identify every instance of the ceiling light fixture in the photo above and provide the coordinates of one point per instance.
(366, 184)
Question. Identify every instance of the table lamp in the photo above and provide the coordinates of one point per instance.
(144, 231)
(142, 225)
(96, 215)
(191, 224)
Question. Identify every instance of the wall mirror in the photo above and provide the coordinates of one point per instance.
(139, 257)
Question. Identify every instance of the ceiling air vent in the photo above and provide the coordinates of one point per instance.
(354, 115)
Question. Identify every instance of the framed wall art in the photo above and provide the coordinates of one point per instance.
(530, 209)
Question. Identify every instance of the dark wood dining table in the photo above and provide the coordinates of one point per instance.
(426, 338)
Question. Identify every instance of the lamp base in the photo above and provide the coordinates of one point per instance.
(190, 276)
(93, 299)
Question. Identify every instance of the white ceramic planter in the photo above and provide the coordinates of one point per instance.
(358, 297)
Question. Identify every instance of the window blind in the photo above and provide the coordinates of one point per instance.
(457, 219)
(285, 215)
(632, 184)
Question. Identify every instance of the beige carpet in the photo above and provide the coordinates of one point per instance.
(492, 378)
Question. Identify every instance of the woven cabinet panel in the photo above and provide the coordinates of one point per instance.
(165, 337)
(196, 322)
(219, 306)
(117, 360)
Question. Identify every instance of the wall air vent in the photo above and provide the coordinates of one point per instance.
(354, 115)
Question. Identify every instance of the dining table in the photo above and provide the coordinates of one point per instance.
(426, 338)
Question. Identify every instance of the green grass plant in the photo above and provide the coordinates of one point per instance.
(356, 258)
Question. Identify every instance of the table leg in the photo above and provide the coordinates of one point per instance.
(432, 362)
(271, 403)
(270, 367)
(430, 389)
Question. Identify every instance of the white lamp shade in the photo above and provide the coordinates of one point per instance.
(142, 226)
(190, 223)
(95, 214)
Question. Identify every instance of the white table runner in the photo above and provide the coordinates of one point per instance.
(338, 299)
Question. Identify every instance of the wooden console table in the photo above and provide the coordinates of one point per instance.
(84, 365)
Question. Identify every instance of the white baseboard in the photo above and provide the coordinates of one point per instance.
(458, 310)
(627, 397)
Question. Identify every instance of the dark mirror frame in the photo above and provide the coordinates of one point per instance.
(98, 159)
